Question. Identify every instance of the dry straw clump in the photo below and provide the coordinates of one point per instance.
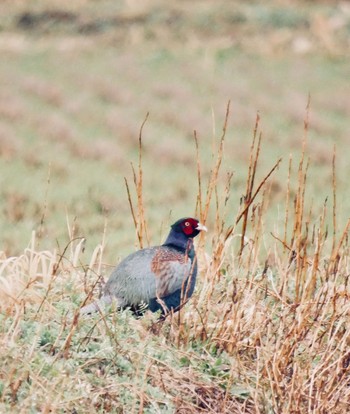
(267, 331)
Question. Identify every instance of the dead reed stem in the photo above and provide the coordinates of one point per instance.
(215, 171)
(139, 218)
(334, 186)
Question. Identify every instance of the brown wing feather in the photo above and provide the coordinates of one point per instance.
(171, 268)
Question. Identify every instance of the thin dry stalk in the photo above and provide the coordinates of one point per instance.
(141, 210)
(43, 216)
(199, 206)
(139, 235)
(215, 171)
(253, 160)
(334, 186)
(139, 218)
(286, 217)
(247, 206)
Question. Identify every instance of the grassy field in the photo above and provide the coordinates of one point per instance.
(267, 329)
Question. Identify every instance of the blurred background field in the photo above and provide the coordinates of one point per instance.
(78, 78)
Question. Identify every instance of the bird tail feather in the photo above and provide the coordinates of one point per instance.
(100, 305)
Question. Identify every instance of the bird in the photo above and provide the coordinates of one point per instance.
(160, 277)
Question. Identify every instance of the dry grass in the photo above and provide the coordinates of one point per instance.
(266, 332)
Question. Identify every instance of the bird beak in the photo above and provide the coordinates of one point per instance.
(201, 227)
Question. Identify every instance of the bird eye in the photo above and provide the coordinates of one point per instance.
(187, 223)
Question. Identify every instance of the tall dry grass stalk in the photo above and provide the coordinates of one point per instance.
(138, 216)
(267, 330)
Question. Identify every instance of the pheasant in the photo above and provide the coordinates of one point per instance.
(161, 277)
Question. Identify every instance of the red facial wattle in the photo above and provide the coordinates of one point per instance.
(189, 226)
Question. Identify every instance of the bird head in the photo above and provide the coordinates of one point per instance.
(190, 227)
